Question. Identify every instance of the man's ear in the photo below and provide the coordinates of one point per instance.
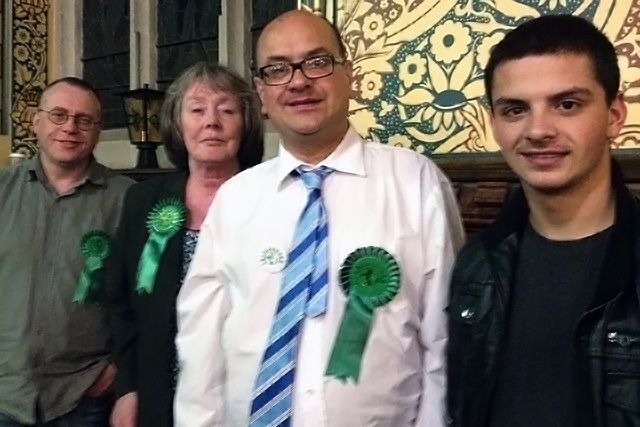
(259, 84)
(617, 115)
(257, 81)
(35, 119)
(348, 69)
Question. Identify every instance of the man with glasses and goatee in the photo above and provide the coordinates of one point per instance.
(316, 293)
(59, 211)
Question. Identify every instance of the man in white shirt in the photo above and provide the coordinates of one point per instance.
(390, 212)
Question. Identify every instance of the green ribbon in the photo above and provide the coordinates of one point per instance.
(164, 220)
(95, 246)
(370, 277)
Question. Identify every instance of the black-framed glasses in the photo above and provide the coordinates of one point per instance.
(59, 116)
(281, 73)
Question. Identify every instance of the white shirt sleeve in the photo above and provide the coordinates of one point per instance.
(442, 222)
(203, 304)
(452, 209)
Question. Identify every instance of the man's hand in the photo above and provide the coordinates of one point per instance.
(125, 411)
(104, 383)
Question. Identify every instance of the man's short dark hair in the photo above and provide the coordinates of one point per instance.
(555, 34)
(336, 33)
(72, 81)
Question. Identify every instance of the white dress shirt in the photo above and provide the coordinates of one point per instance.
(379, 196)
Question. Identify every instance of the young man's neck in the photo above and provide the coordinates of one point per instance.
(572, 215)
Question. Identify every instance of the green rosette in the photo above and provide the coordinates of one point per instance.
(370, 277)
(164, 220)
(95, 246)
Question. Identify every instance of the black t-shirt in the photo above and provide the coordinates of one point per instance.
(539, 375)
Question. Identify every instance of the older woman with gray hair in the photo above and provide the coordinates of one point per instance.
(211, 127)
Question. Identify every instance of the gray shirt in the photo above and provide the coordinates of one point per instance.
(51, 349)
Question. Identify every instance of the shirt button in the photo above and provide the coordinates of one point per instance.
(310, 392)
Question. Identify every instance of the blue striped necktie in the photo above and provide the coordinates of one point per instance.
(304, 291)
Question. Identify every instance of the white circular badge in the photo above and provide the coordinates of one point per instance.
(272, 259)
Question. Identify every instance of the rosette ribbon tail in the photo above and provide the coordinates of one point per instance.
(149, 261)
(351, 340)
(89, 279)
(370, 277)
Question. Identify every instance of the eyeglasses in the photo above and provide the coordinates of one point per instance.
(59, 116)
(281, 73)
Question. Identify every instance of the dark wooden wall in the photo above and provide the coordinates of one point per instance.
(483, 184)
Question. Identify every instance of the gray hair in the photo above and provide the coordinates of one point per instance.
(219, 78)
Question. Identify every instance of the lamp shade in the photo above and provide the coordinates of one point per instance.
(142, 108)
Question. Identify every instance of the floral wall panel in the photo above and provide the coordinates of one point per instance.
(29, 65)
(419, 64)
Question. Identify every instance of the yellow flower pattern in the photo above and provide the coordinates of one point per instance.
(450, 41)
(399, 140)
(553, 3)
(484, 50)
(418, 64)
(412, 70)
(370, 86)
(373, 26)
(364, 121)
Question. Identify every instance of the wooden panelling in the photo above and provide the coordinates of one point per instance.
(483, 184)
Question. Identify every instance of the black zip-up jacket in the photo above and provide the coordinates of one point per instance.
(607, 336)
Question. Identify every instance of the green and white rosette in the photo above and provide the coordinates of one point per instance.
(370, 277)
(95, 246)
(164, 220)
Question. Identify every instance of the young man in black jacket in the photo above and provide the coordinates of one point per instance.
(544, 319)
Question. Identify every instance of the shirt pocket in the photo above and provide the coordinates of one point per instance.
(469, 303)
(87, 331)
(471, 343)
(622, 376)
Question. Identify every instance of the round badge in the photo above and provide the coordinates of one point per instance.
(166, 217)
(96, 244)
(372, 274)
(272, 259)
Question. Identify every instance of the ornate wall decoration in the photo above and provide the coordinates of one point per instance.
(324, 7)
(29, 65)
(419, 64)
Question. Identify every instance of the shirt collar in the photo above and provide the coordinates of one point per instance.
(95, 174)
(348, 157)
